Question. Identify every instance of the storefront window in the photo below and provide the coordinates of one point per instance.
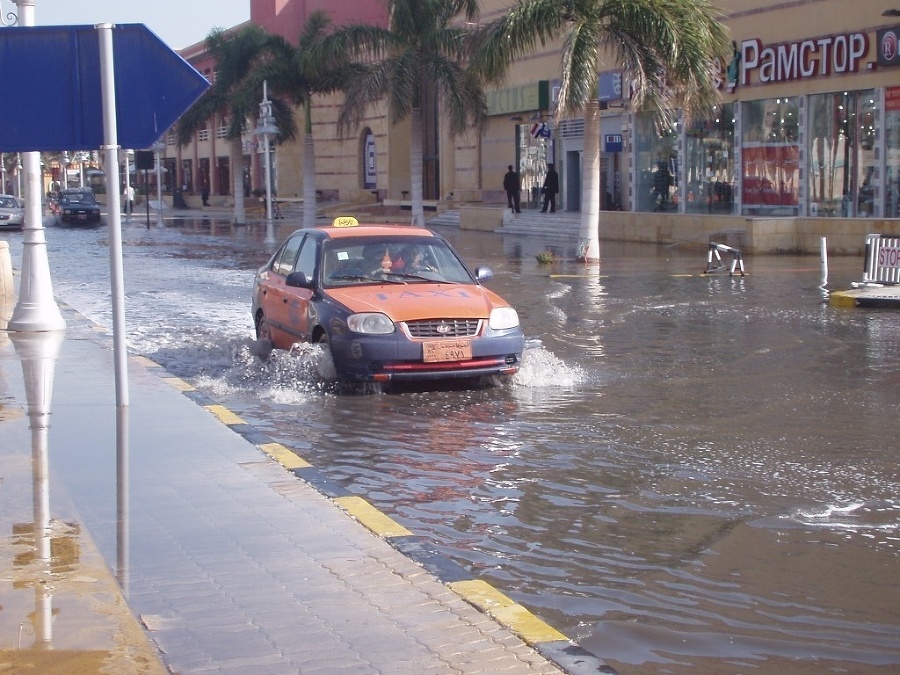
(892, 153)
(841, 155)
(770, 157)
(656, 161)
(709, 162)
(534, 154)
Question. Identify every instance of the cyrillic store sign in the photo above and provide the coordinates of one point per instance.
(807, 58)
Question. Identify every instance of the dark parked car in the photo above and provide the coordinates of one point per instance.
(77, 206)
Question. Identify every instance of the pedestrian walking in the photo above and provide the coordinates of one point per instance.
(551, 188)
(513, 189)
(662, 181)
(129, 199)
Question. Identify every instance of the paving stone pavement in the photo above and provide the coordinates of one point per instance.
(229, 559)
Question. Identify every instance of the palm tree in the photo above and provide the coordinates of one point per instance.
(425, 49)
(298, 74)
(666, 49)
(238, 56)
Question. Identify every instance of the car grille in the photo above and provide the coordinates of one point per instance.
(439, 328)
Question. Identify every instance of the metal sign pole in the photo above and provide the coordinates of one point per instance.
(111, 153)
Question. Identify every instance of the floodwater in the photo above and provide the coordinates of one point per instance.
(691, 473)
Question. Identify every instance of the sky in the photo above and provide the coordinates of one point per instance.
(178, 23)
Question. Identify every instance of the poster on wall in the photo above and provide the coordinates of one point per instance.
(369, 173)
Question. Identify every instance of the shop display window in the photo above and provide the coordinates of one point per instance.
(709, 162)
(841, 154)
(892, 153)
(770, 157)
(656, 162)
(535, 152)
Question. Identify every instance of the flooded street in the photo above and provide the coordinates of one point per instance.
(689, 474)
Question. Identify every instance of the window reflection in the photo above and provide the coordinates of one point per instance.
(710, 162)
(841, 154)
(656, 157)
(770, 157)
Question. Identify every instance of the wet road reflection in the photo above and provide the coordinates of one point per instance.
(59, 609)
(690, 472)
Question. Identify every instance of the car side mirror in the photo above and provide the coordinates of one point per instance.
(298, 280)
(484, 274)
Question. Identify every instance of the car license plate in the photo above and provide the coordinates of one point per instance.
(446, 350)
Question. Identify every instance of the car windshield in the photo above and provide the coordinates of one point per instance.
(391, 259)
(8, 203)
(77, 198)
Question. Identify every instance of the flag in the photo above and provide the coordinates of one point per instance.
(536, 129)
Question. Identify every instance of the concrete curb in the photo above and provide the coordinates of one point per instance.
(887, 297)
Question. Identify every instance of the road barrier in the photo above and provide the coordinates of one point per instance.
(882, 259)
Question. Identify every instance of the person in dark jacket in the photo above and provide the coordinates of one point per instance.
(551, 187)
(513, 189)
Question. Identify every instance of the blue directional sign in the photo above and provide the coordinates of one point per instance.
(52, 92)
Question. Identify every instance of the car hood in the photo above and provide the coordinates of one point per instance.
(408, 302)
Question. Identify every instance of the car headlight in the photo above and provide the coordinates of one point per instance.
(503, 318)
(370, 323)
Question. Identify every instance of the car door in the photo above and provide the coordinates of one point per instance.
(297, 299)
(273, 296)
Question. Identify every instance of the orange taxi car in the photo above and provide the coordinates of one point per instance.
(392, 303)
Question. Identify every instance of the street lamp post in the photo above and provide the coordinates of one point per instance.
(19, 175)
(158, 147)
(36, 309)
(64, 162)
(82, 157)
(266, 129)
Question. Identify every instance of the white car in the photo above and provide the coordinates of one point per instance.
(12, 213)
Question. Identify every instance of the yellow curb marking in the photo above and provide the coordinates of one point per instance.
(371, 517)
(287, 458)
(508, 612)
(179, 384)
(148, 363)
(842, 299)
(224, 414)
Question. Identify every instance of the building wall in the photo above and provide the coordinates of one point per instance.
(472, 164)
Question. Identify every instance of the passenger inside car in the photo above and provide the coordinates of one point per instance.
(416, 260)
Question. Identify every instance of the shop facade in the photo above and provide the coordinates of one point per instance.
(808, 125)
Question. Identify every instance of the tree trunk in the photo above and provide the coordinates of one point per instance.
(589, 232)
(309, 172)
(415, 167)
(237, 180)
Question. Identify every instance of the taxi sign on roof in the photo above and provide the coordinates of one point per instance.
(345, 221)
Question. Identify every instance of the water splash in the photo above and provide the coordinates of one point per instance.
(541, 368)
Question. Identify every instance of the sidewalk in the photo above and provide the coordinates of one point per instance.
(234, 554)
